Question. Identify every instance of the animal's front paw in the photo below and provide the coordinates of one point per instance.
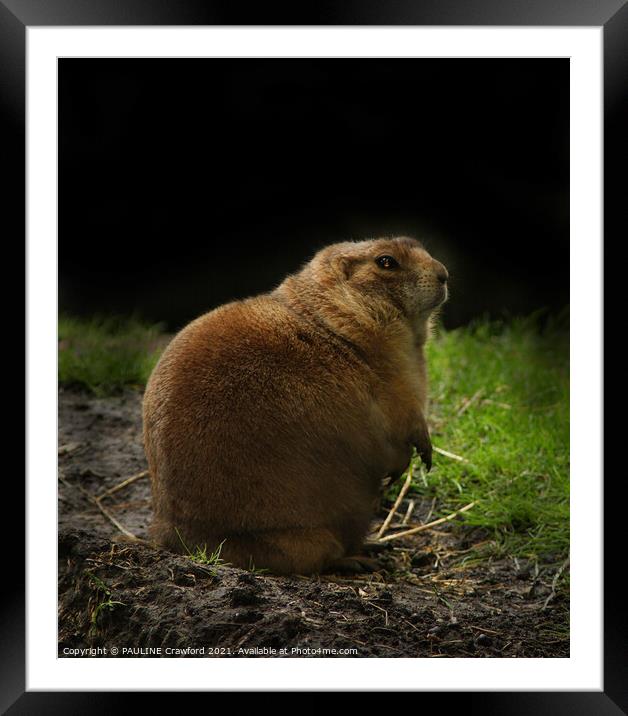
(372, 547)
(423, 444)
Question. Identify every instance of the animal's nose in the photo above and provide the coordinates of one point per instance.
(441, 272)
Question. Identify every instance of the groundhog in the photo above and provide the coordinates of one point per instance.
(270, 422)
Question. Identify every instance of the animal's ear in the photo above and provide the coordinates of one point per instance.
(345, 265)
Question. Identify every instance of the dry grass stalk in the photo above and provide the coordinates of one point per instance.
(106, 513)
(499, 404)
(429, 525)
(451, 455)
(468, 402)
(429, 514)
(554, 583)
(408, 514)
(115, 522)
(123, 484)
(400, 496)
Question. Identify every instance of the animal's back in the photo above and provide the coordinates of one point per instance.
(255, 420)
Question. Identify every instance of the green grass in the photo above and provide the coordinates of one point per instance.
(106, 604)
(201, 556)
(514, 434)
(104, 355)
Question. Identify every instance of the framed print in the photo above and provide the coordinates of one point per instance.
(314, 344)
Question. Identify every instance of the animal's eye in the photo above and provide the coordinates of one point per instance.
(386, 262)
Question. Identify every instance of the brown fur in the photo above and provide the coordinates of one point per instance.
(270, 423)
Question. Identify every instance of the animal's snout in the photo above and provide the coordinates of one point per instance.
(440, 271)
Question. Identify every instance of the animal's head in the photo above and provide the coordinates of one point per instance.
(389, 276)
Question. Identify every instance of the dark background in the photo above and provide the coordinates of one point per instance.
(187, 183)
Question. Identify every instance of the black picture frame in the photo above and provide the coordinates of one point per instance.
(17, 15)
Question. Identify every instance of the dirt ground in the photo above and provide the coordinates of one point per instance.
(116, 594)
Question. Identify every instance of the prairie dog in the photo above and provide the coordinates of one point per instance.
(270, 423)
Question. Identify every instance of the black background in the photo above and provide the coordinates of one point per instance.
(185, 183)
